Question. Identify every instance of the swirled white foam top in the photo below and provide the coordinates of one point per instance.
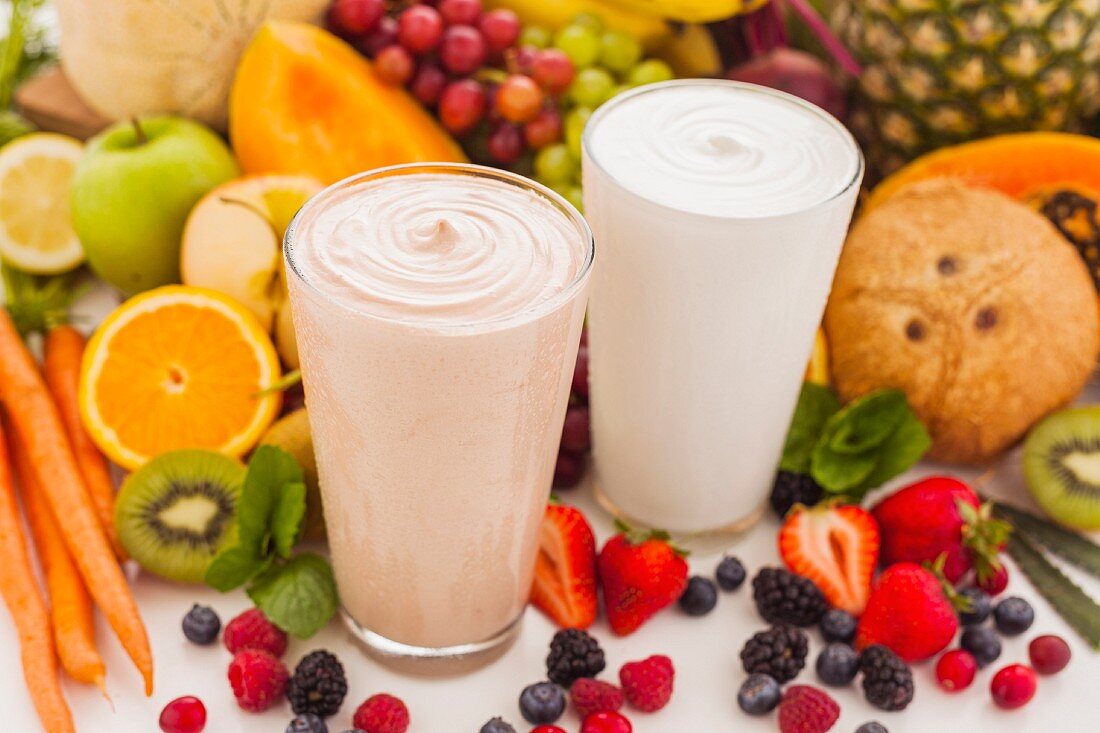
(722, 149)
(437, 248)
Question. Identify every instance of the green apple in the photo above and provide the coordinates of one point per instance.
(133, 190)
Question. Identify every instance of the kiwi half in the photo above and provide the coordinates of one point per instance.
(178, 511)
(1062, 466)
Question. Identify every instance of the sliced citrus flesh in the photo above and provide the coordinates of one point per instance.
(817, 371)
(178, 367)
(36, 229)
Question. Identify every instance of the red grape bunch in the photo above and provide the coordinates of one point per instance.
(576, 440)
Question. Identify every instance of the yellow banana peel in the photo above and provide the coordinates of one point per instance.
(690, 11)
(691, 52)
(651, 30)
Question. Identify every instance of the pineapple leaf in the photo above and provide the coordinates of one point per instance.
(1072, 604)
(1072, 547)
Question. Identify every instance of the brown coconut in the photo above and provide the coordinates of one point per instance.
(973, 305)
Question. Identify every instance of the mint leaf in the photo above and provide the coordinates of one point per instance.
(299, 597)
(901, 450)
(269, 470)
(286, 520)
(838, 473)
(233, 567)
(816, 404)
(866, 423)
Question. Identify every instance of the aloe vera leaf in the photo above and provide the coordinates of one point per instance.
(1071, 546)
(1074, 605)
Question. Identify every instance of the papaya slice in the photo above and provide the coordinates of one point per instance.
(1016, 164)
(304, 102)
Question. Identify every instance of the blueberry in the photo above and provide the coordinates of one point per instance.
(1013, 616)
(837, 664)
(542, 702)
(730, 573)
(982, 643)
(201, 625)
(307, 723)
(837, 625)
(759, 694)
(699, 597)
(496, 725)
(979, 606)
(873, 727)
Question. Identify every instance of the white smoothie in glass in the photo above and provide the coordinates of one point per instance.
(438, 311)
(720, 209)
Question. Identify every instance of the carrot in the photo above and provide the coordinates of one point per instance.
(28, 611)
(35, 418)
(70, 605)
(64, 350)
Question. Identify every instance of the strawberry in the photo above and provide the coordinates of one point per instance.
(836, 547)
(941, 516)
(641, 573)
(909, 613)
(565, 571)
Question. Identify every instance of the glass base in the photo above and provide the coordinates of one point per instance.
(431, 661)
(705, 541)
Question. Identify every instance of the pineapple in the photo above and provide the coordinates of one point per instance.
(940, 72)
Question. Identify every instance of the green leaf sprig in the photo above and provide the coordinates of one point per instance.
(296, 592)
(852, 449)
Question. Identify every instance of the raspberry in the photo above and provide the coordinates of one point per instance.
(258, 679)
(805, 709)
(382, 713)
(252, 630)
(647, 685)
(591, 696)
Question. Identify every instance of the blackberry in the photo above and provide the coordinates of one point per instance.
(838, 625)
(982, 644)
(318, 685)
(779, 652)
(730, 573)
(308, 723)
(201, 625)
(978, 606)
(497, 725)
(887, 681)
(785, 598)
(1013, 616)
(542, 703)
(837, 664)
(573, 654)
(873, 727)
(699, 597)
(759, 694)
(793, 488)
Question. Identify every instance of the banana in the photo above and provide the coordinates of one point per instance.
(650, 30)
(692, 53)
(690, 11)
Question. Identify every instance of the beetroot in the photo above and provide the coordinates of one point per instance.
(797, 73)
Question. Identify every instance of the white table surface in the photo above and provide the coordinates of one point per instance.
(704, 651)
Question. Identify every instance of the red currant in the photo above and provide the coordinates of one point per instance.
(420, 28)
(995, 583)
(956, 669)
(547, 729)
(543, 129)
(1049, 654)
(394, 65)
(553, 70)
(1013, 686)
(606, 721)
(501, 29)
(462, 49)
(383, 36)
(350, 18)
(183, 715)
(428, 83)
(462, 105)
(519, 98)
(506, 143)
(460, 12)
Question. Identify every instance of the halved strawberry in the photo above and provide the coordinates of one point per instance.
(565, 572)
(837, 548)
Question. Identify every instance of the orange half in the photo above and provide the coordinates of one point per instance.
(178, 367)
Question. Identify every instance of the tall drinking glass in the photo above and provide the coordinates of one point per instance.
(438, 311)
(720, 209)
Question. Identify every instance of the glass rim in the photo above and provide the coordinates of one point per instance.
(619, 99)
(530, 312)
